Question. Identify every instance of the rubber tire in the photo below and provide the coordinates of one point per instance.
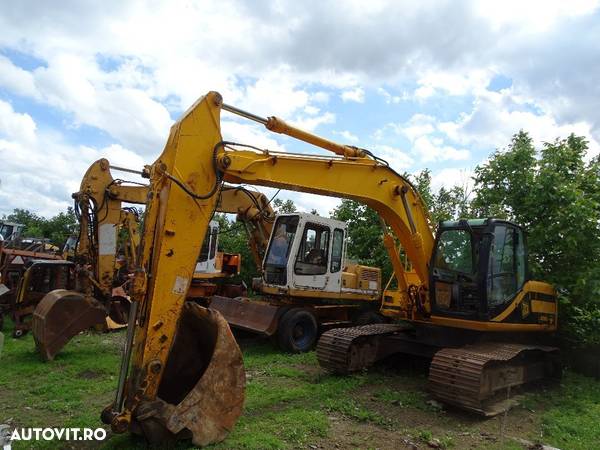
(1, 321)
(297, 319)
(368, 317)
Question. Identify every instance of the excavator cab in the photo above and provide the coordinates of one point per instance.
(306, 251)
(478, 267)
(208, 253)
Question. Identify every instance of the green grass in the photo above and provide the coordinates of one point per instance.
(290, 402)
(412, 398)
(570, 417)
(67, 392)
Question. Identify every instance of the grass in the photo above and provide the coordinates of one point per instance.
(570, 418)
(290, 402)
(405, 398)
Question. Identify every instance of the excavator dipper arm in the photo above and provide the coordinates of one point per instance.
(98, 205)
(186, 376)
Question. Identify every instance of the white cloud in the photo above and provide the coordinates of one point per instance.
(398, 159)
(347, 135)
(247, 133)
(392, 99)
(533, 15)
(450, 177)
(496, 117)
(312, 122)
(15, 125)
(39, 170)
(16, 79)
(432, 149)
(127, 70)
(355, 95)
(421, 131)
(446, 82)
(418, 125)
(320, 97)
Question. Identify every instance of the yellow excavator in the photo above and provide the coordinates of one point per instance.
(67, 297)
(469, 302)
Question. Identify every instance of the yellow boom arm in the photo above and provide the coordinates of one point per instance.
(253, 209)
(98, 205)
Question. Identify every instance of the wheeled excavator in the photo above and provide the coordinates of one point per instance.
(294, 303)
(470, 302)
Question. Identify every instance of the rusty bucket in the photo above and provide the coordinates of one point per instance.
(201, 394)
(59, 316)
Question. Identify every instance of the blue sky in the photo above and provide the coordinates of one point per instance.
(436, 85)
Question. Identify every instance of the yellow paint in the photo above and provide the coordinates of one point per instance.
(175, 226)
(488, 326)
(530, 287)
(538, 306)
(99, 188)
(337, 177)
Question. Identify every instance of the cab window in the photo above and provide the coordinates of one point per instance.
(506, 268)
(205, 246)
(213, 241)
(281, 242)
(454, 251)
(312, 253)
(337, 248)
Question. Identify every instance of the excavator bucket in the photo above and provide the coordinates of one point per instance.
(59, 316)
(250, 315)
(201, 394)
(118, 310)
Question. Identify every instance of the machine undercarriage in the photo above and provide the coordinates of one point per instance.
(476, 374)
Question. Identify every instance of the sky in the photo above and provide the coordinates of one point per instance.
(428, 84)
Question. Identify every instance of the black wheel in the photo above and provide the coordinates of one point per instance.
(1, 321)
(297, 331)
(367, 317)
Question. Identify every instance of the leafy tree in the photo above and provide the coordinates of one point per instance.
(284, 206)
(556, 197)
(446, 204)
(57, 228)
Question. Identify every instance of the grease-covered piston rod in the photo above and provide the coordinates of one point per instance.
(278, 125)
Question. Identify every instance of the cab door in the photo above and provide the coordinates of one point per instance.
(310, 266)
(336, 260)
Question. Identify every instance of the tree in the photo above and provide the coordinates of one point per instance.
(284, 207)
(556, 197)
(446, 204)
(57, 228)
(233, 238)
